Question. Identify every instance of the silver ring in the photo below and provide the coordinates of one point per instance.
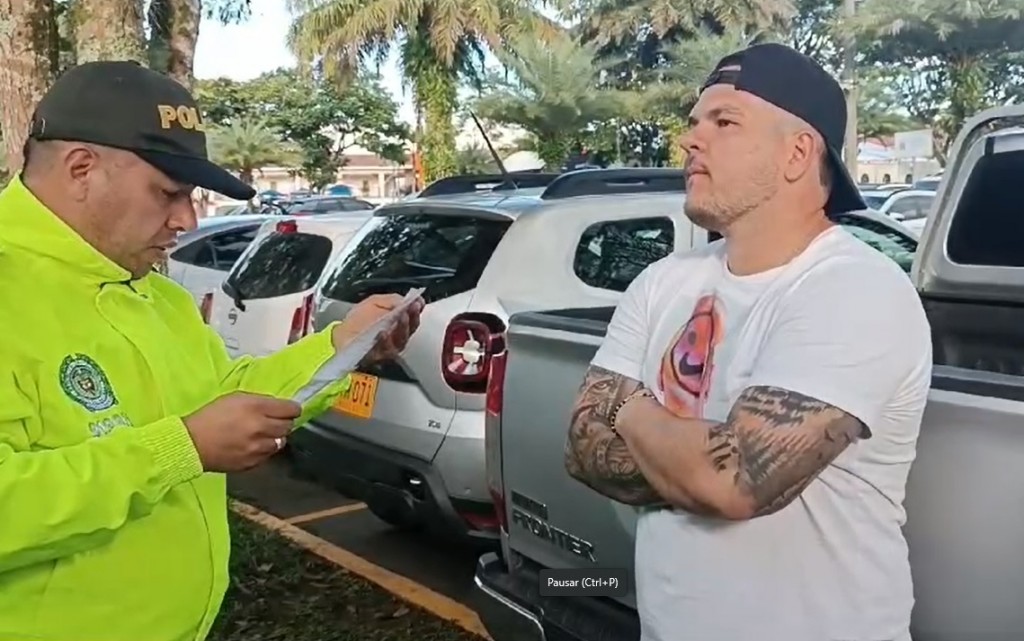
(279, 442)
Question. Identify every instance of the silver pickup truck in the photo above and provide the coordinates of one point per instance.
(965, 499)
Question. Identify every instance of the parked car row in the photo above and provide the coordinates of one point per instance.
(909, 205)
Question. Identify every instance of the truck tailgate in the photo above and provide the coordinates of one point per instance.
(552, 519)
(964, 521)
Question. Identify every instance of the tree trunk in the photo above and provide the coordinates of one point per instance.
(27, 49)
(436, 91)
(174, 29)
(109, 30)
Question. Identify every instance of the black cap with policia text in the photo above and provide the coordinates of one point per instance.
(124, 105)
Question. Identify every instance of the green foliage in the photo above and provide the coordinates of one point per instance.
(965, 56)
(880, 110)
(620, 21)
(813, 31)
(247, 144)
(321, 119)
(553, 93)
(439, 44)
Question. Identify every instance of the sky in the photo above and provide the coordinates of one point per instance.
(244, 51)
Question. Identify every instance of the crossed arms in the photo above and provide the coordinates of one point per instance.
(771, 446)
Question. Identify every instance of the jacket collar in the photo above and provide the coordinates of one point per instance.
(27, 223)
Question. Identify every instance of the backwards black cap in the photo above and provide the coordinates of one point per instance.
(125, 105)
(797, 84)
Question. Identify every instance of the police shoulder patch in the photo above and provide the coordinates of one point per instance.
(84, 382)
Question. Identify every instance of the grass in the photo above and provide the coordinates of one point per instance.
(280, 592)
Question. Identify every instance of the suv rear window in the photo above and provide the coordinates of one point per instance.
(281, 264)
(444, 254)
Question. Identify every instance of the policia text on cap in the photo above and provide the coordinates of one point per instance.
(120, 410)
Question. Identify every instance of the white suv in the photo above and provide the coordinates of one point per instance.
(266, 301)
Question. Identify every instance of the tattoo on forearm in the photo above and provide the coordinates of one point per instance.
(594, 454)
(775, 442)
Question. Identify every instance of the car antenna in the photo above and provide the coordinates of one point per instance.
(494, 154)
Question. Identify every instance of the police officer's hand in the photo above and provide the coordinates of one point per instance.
(238, 431)
(389, 343)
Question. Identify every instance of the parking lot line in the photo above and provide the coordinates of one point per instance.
(402, 587)
(321, 514)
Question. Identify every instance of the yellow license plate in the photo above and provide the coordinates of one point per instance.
(359, 399)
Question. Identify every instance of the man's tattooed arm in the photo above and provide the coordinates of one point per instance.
(775, 442)
(772, 445)
(594, 454)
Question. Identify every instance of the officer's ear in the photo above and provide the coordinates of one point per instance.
(79, 165)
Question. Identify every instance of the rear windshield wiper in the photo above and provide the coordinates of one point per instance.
(404, 280)
(232, 290)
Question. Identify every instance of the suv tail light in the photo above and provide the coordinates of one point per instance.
(470, 342)
(492, 436)
(302, 320)
(206, 306)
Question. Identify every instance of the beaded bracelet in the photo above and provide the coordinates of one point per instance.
(643, 391)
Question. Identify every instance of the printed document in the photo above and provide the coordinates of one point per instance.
(345, 360)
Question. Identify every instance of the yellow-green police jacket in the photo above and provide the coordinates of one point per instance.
(111, 529)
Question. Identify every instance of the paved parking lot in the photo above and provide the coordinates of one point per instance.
(444, 568)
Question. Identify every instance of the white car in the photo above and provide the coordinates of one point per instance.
(266, 301)
(910, 208)
(205, 255)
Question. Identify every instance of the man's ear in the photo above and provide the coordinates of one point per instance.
(803, 154)
(78, 162)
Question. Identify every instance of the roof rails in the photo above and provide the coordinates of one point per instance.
(470, 183)
(624, 180)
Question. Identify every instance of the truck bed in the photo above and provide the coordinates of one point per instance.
(965, 525)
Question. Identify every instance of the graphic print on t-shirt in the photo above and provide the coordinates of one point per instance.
(686, 366)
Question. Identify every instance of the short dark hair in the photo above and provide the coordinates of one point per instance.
(27, 151)
(826, 171)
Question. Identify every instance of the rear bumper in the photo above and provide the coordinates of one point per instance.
(386, 481)
(512, 609)
(500, 612)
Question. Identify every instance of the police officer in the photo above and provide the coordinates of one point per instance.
(120, 410)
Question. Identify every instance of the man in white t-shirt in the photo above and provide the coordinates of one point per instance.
(759, 399)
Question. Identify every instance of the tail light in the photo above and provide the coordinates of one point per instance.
(492, 436)
(205, 306)
(470, 342)
(287, 227)
(302, 320)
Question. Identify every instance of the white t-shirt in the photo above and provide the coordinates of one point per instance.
(841, 323)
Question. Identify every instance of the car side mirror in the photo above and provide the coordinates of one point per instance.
(898, 217)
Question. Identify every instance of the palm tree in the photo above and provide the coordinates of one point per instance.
(611, 21)
(668, 92)
(554, 94)
(954, 46)
(438, 42)
(246, 145)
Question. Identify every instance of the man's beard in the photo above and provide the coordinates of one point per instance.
(713, 219)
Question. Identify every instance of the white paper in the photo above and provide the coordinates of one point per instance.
(346, 359)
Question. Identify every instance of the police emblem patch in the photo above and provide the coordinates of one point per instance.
(85, 383)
